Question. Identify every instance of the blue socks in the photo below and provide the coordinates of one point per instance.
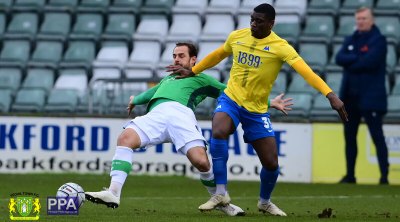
(219, 153)
(268, 181)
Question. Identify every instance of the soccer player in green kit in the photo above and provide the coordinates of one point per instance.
(170, 118)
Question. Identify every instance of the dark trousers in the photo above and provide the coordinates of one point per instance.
(374, 121)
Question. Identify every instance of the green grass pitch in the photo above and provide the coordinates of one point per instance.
(173, 198)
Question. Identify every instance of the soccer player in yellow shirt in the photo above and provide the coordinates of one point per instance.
(258, 54)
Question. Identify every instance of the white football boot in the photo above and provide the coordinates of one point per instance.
(270, 208)
(231, 210)
(214, 201)
(105, 197)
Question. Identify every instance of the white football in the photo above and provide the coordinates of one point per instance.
(72, 190)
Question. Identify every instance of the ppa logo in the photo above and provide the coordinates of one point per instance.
(62, 206)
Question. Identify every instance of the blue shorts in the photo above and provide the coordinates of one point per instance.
(255, 125)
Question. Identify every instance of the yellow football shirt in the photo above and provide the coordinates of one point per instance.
(256, 64)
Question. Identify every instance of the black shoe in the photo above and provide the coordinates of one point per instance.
(347, 179)
(383, 181)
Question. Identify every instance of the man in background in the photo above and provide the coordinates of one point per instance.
(363, 58)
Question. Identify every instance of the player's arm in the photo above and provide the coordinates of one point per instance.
(315, 81)
(281, 104)
(142, 98)
(209, 61)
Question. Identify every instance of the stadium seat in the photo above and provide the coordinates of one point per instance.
(396, 86)
(87, 27)
(94, 6)
(206, 107)
(334, 81)
(324, 7)
(29, 5)
(285, 7)
(287, 27)
(120, 27)
(120, 100)
(246, 6)
(184, 27)
(62, 101)
(112, 54)
(217, 27)
(280, 83)
(15, 53)
(315, 54)
(145, 55)
(299, 85)
(139, 74)
(387, 84)
(29, 100)
(79, 54)
(321, 110)
(157, 7)
(346, 27)
(166, 56)
(10, 79)
(190, 7)
(332, 66)
(318, 28)
(301, 106)
(3, 23)
(22, 26)
(38, 78)
(205, 48)
(56, 26)
(46, 54)
(391, 58)
(349, 7)
(389, 27)
(5, 100)
(72, 79)
(152, 27)
(387, 7)
(68, 6)
(223, 6)
(5, 6)
(103, 75)
(126, 6)
(93, 102)
(243, 21)
(393, 113)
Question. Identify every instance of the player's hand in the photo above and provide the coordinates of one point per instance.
(281, 104)
(178, 69)
(130, 105)
(338, 105)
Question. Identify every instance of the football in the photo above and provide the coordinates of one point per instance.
(72, 190)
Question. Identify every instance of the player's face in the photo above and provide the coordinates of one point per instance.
(364, 21)
(181, 57)
(260, 26)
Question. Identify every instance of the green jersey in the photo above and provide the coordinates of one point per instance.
(188, 91)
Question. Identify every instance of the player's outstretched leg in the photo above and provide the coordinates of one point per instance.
(120, 168)
(105, 197)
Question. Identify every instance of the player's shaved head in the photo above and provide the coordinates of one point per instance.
(267, 10)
